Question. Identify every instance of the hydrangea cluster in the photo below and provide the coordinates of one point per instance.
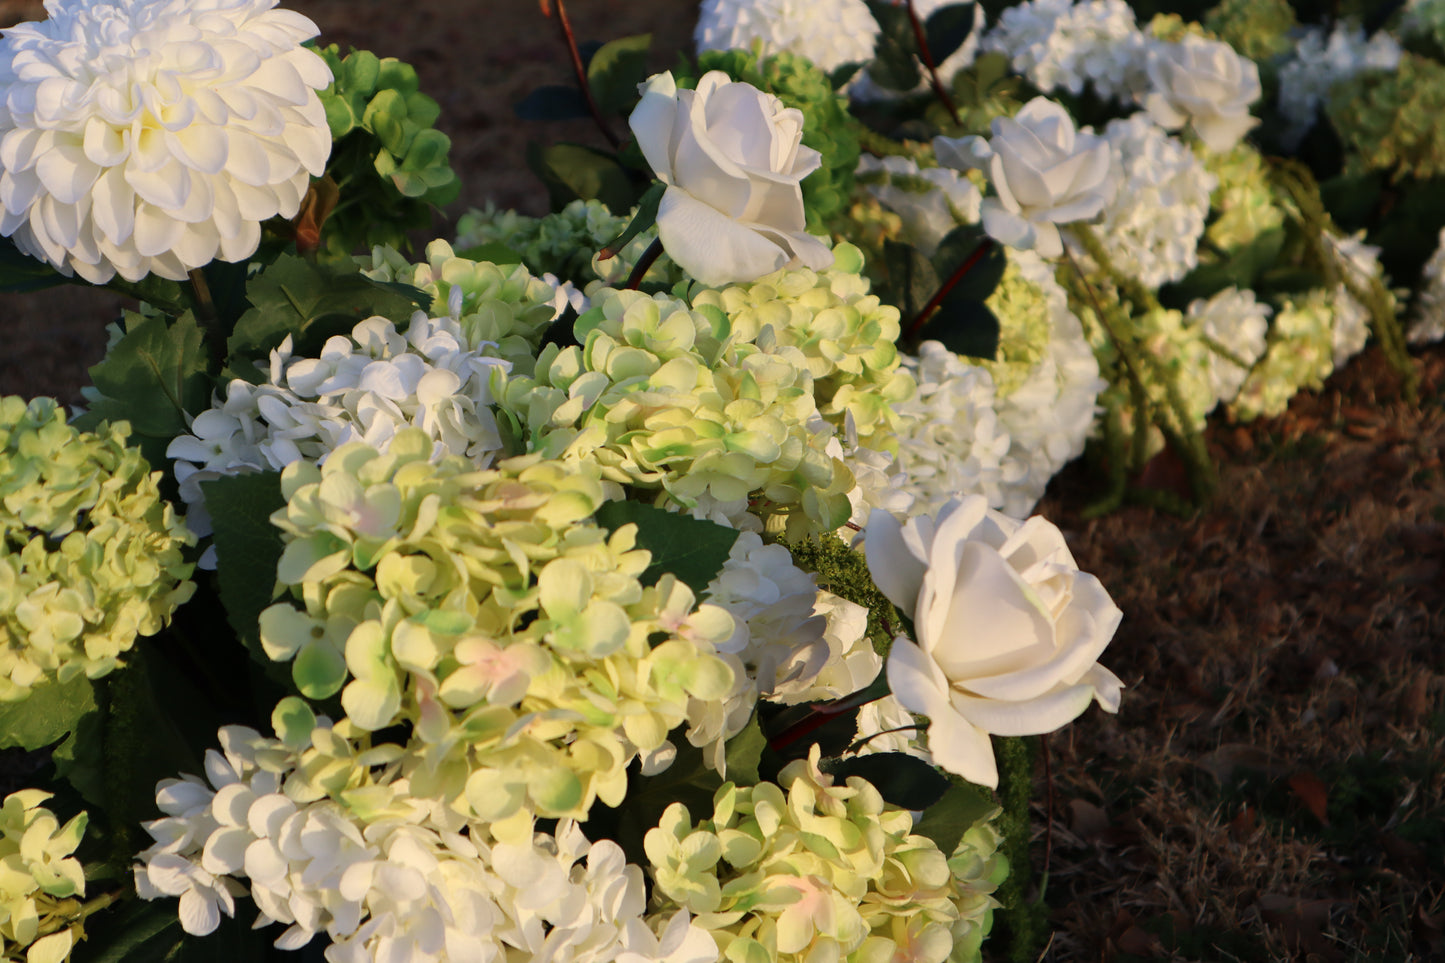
(566, 243)
(1069, 43)
(1236, 322)
(155, 136)
(90, 554)
(385, 873)
(1151, 227)
(1319, 62)
(1243, 202)
(39, 879)
(1361, 263)
(485, 609)
(1299, 356)
(931, 201)
(1429, 309)
(809, 870)
(661, 396)
(366, 386)
(848, 336)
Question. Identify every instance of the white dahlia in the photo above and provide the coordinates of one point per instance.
(154, 136)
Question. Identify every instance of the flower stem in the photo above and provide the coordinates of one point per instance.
(938, 90)
(639, 270)
(969, 263)
(571, 41)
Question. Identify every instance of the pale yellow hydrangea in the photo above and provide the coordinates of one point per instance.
(1243, 202)
(1299, 356)
(488, 611)
(807, 870)
(90, 555)
(40, 882)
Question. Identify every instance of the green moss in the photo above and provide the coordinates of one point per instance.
(1259, 29)
(844, 572)
(1390, 120)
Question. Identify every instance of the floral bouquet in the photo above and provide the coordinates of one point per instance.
(611, 585)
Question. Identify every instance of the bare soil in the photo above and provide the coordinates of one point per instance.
(1274, 786)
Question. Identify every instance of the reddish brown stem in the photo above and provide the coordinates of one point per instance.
(571, 40)
(969, 263)
(639, 270)
(927, 54)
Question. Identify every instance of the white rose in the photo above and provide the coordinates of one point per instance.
(1009, 629)
(1044, 172)
(732, 159)
(1204, 83)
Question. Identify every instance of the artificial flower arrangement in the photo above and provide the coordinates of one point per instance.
(441, 607)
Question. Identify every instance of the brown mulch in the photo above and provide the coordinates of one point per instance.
(1262, 793)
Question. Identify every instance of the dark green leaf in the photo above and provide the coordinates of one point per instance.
(248, 547)
(947, 28)
(1239, 268)
(149, 931)
(563, 330)
(959, 247)
(573, 171)
(154, 376)
(960, 809)
(552, 102)
(21, 272)
(616, 69)
(964, 327)
(496, 252)
(903, 780)
(744, 752)
(895, 64)
(692, 549)
(645, 218)
(912, 281)
(49, 712)
(843, 73)
(311, 302)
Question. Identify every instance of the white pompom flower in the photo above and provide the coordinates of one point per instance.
(153, 136)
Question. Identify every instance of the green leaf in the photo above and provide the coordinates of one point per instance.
(645, 218)
(964, 327)
(248, 547)
(911, 278)
(552, 102)
(745, 752)
(154, 376)
(573, 171)
(496, 252)
(962, 807)
(50, 711)
(843, 73)
(1239, 268)
(903, 780)
(947, 28)
(615, 71)
(149, 931)
(689, 548)
(21, 272)
(311, 302)
(959, 246)
(894, 62)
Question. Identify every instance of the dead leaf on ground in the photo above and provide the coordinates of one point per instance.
(1312, 791)
(1086, 820)
(1242, 826)
(1230, 757)
(1138, 942)
(1302, 922)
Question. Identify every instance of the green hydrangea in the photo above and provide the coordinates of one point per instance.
(1258, 29)
(1244, 202)
(490, 613)
(848, 336)
(666, 398)
(566, 243)
(1183, 362)
(39, 880)
(828, 127)
(504, 304)
(1299, 356)
(90, 554)
(808, 870)
(1390, 120)
(1025, 329)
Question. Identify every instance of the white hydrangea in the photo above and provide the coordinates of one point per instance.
(365, 386)
(154, 136)
(387, 875)
(1050, 410)
(1319, 62)
(930, 201)
(1299, 353)
(1352, 319)
(1429, 311)
(1236, 321)
(1066, 44)
(950, 441)
(1152, 227)
(852, 662)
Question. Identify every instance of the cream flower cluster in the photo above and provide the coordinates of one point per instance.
(1070, 43)
(487, 611)
(366, 386)
(1319, 62)
(39, 879)
(1360, 262)
(1151, 227)
(1299, 355)
(931, 201)
(1429, 307)
(386, 874)
(154, 136)
(91, 556)
(806, 870)
(661, 396)
(1232, 320)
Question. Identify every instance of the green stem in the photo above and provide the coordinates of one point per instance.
(1025, 918)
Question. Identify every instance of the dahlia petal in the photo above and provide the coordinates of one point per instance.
(200, 147)
(104, 144)
(112, 205)
(167, 187)
(155, 230)
(19, 190)
(66, 172)
(243, 244)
